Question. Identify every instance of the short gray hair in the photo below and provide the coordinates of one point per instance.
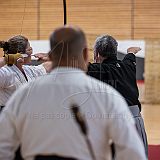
(106, 46)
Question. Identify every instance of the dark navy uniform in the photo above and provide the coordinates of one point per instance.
(122, 76)
(119, 74)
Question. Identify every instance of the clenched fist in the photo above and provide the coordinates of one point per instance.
(133, 50)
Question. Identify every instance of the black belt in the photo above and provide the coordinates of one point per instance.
(53, 158)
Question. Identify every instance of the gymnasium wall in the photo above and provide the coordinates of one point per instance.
(124, 19)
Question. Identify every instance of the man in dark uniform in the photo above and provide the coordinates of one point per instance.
(119, 74)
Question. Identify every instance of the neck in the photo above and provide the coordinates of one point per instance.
(73, 64)
(19, 66)
(2, 62)
(109, 59)
(102, 59)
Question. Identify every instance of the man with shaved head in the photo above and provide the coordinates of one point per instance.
(67, 114)
(69, 47)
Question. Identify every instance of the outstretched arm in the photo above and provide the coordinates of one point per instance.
(130, 58)
(46, 63)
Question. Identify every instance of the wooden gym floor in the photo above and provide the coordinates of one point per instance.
(151, 115)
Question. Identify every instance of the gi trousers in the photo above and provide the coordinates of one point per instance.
(140, 129)
(140, 126)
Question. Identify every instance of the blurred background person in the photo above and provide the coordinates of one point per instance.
(14, 75)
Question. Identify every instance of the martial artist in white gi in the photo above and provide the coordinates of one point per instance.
(38, 116)
(13, 76)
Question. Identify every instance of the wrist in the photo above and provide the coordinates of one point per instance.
(130, 53)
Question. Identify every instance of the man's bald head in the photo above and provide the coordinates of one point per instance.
(69, 48)
(67, 41)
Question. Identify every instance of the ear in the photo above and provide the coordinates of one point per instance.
(96, 57)
(85, 54)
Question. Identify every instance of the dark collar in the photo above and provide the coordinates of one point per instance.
(110, 60)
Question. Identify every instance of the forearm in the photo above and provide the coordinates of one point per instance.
(130, 57)
(46, 63)
(47, 66)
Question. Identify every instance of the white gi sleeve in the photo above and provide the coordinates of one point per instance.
(8, 138)
(123, 132)
(9, 133)
(5, 78)
(38, 70)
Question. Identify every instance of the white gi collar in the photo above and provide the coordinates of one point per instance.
(66, 70)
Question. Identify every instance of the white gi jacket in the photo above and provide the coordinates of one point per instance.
(38, 117)
(11, 78)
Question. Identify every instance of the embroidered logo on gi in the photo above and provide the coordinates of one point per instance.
(118, 65)
(134, 63)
